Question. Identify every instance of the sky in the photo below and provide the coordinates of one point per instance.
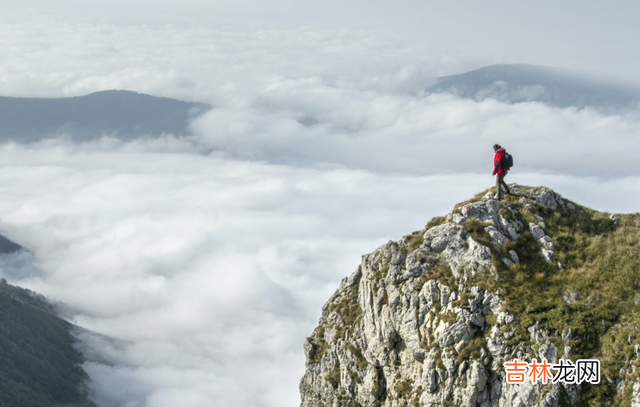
(200, 264)
(591, 35)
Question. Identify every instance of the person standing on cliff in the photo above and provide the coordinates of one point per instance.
(500, 169)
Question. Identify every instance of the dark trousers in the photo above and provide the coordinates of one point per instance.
(500, 184)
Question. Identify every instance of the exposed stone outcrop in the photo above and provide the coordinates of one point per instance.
(420, 323)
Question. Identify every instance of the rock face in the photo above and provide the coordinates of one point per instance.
(426, 321)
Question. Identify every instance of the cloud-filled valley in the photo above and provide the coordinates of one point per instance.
(203, 264)
(209, 257)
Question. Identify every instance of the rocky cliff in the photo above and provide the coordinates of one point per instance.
(431, 319)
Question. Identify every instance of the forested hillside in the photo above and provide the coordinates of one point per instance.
(39, 366)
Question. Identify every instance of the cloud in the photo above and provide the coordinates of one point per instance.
(209, 258)
(298, 122)
(213, 270)
(225, 65)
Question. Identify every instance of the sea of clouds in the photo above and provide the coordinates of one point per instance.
(200, 264)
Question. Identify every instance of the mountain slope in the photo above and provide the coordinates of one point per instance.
(39, 366)
(430, 319)
(529, 83)
(7, 246)
(124, 113)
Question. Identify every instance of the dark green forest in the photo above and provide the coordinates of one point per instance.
(39, 366)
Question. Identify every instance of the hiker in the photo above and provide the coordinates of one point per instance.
(500, 169)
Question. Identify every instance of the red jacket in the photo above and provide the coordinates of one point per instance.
(498, 161)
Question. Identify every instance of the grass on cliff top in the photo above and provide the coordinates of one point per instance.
(476, 198)
(415, 239)
(597, 289)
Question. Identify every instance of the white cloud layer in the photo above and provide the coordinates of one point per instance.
(214, 270)
(210, 257)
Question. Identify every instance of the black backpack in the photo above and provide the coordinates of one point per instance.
(508, 161)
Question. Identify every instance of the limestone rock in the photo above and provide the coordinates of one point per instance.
(636, 399)
(419, 326)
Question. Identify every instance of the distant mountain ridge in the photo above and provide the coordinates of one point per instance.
(530, 83)
(124, 114)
